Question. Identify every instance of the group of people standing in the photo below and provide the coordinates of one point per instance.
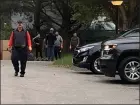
(53, 45)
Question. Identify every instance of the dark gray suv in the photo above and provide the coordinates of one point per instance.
(122, 55)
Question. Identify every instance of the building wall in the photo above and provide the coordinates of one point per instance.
(4, 53)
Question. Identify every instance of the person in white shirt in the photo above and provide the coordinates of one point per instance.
(58, 46)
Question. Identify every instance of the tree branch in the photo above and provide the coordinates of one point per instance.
(58, 9)
(48, 17)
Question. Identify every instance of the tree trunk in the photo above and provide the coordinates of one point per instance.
(139, 14)
(37, 15)
(66, 25)
(0, 23)
(66, 37)
(124, 18)
(131, 12)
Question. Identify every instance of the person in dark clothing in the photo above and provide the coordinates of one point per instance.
(58, 46)
(45, 48)
(38, 40)
(19, 45)
(49, 41)
(75, 41)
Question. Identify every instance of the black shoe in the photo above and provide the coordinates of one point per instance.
(16, 74)
(21, 75)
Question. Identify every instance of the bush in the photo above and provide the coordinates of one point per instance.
(5, 32)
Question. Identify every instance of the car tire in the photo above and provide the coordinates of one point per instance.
(93, 68)
(126, 71)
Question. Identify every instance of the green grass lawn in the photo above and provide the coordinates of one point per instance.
(66, 61)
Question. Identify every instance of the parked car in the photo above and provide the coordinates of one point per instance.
(98, 31)
(122, 55)
(88, 56)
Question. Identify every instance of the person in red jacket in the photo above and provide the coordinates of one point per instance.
(19, 45)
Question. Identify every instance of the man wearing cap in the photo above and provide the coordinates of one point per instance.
(49, 41)
(19, 45)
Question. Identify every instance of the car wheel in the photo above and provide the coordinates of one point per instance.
(129, 70)
(95, 68)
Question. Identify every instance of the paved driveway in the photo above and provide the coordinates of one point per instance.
(50, 85)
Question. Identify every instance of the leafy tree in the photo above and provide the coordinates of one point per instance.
(6, 8)
(5, 32)
(70, 15)
(128, 16)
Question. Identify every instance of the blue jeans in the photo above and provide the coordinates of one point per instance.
(50, 53)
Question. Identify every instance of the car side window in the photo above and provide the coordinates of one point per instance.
(99, 27)
(133, 34)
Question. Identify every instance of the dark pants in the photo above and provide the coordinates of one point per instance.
(19, 54)
(39, 50)
(73, 48)
(57, 52)
(46, 50)
(50, 53)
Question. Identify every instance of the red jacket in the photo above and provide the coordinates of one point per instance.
(10, 44)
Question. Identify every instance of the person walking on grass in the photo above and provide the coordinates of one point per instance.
(75, 41)
(38, 45)
(58, 46)
(49, 43)
(19, 45)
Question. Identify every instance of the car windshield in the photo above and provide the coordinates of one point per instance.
(106, 26)
(109, 26)
(131, 33)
